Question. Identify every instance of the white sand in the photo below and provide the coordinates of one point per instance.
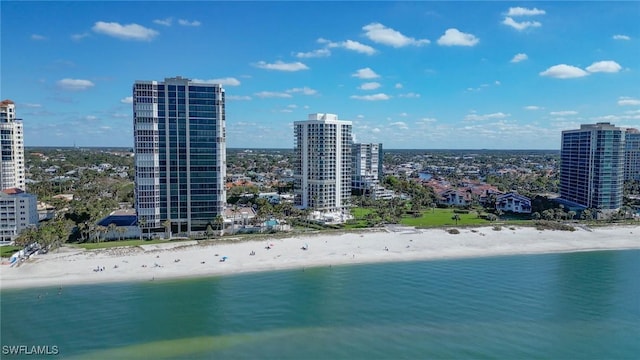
(75, 266)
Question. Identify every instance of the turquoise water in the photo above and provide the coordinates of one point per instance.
(559, 306)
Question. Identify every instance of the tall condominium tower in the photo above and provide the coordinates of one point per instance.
(592, 166)
(322, 169)
(180, 153)
(632, 155)
(12, 144)
(366, 164)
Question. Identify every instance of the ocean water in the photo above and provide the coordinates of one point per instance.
(559, 306)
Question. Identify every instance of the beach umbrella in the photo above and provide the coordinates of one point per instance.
(224, 258)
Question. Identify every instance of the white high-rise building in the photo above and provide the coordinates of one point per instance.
(366, 167)
(322, 171)
(12, 145)
(180, 153)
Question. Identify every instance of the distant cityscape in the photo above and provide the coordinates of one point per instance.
(182, 182)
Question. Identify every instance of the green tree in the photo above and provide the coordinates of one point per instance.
(167, 228)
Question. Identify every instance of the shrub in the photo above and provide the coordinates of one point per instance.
(460, 211)
(551, 225)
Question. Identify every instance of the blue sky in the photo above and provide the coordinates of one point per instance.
(432, 75)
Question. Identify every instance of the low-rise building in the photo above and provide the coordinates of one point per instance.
(18, 211)
(513, 202)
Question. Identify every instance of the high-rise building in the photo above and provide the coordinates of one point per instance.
(12, 145)
(180, 153)
(632, 155)
(322, 169)
(592, 166)
(366, 164)
(18, 211)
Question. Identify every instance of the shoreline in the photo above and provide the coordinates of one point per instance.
(71, 266)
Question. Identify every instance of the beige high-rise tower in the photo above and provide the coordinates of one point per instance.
(12, 147)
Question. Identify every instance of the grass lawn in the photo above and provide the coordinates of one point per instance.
(7, 251)
(110, 244)
(360, 213)
(442, 217)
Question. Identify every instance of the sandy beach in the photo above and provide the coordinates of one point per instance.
(69, 266)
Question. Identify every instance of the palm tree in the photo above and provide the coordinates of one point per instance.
(167, 228)
(121, 230)
(100, 230)
(112, 228)
(219, 222)
(455, 217)
(141, 223)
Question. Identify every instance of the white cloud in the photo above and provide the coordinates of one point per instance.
(370, 86)
(375, 130)
(398, 86)
(30, 105)
(282, 66)
(520, 11)
(400, 124)
(237, 97)
(532, 107)
(184, 22)
(358, 47)
(272, 94)
(75, 84)
(38, 37)
(163, 22)
(375, 97)
(127, 32)
(286, 110)
(607, 66)
(625, 100)
(454, 37)
(314, 54)
(304, 90)
(410, 95)
(563, 113)
(564, 71)
(292, 106)
(127, 100)
(228, 81)
(90, 118)
(476, 117)
(621, 37)
(360, 116)
(519, 57)
(520, 25)
(365, 73)
(78, 37)
(381, 34)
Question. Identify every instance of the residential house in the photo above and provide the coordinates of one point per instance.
(513, 202)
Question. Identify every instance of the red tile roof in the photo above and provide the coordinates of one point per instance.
(12, 191)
